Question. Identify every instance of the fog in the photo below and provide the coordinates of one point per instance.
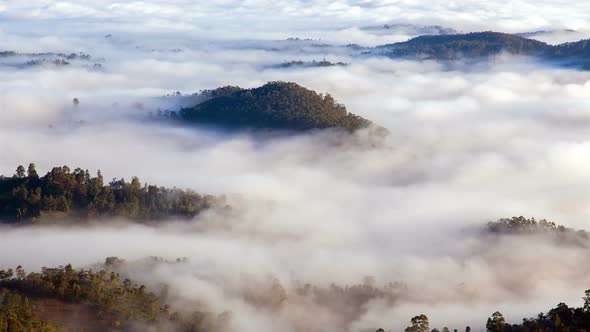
(469, 143)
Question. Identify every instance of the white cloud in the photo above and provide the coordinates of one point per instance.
(469, 143)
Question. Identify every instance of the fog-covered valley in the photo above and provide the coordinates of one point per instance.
(369, 205)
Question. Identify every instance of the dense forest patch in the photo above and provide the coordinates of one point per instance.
(63, 193)
(484, 44)
(275, 105)
(62, 298)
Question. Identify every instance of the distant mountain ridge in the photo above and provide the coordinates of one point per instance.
(485, 44)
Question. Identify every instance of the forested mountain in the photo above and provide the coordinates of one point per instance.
(574, 53)
(275, 105)
(485, 44)
(63, 298)
(456, 46)
(64, 194)
(67, 299)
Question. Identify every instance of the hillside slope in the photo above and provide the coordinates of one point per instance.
(275, 105)
(477, 45)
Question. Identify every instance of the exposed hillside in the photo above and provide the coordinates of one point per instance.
(275, 105)
(64, 194)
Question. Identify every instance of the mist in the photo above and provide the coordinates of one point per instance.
(469, 143)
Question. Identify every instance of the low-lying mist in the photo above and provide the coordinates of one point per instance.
(269, 277)
(401, 221)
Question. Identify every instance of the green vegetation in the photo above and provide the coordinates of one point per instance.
(114, 300)
(275, 105)
(419, 324)
(559, 319)
(525, 226)
(16, 314)
(106, 301)
(62, 193)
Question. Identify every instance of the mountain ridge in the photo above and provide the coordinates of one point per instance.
(476, 45)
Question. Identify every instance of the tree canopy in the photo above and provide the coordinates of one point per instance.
(455, 46)
(63, 193)
(106, 300)
(275, 105)
(543, 227)
(485, 44)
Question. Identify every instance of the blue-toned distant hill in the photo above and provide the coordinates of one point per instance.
(309, 64)
(456, 46)
(49, 59)
(485, 44)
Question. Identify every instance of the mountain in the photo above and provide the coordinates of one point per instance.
(456, 46)
(94, 300)
(478, 45)
(572, 54)
(275, 105)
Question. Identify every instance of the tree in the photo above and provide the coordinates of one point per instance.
(419, 324)
(20, 172)
(586, 299)
(496, 322)
(61, 192)
(32, 172)
(278, 293)
(275, 105)
(20, 272)
(6, 274)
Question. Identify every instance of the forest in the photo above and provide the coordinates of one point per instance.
(275, 105)
(475, 45)
(48, 301)
(559, 319)
(43, 301)
(63, 194)
(455, 46)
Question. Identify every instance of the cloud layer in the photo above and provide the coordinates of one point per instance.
(469, 144)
